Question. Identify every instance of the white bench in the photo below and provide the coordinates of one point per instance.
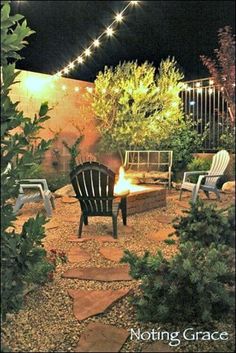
(151, 164)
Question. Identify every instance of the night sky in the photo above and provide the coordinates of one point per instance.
(151, 31)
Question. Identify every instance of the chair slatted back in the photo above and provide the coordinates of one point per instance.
(218, 167)
(94, 186)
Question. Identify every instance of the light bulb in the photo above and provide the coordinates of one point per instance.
(76, 89)
(71, 65)
(119, 17)
(96, 43)
(210, 90)
(110, 31)
(211, 82)
(63, 87)
(66, 70)
(87, 52)
(80, 59)
(134, 2)
(198, 84)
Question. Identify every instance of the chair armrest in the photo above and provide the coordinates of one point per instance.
(213, 176)
(33, 186)
(186, 174)
(41, 181)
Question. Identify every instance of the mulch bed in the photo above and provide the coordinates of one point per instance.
(46, 323)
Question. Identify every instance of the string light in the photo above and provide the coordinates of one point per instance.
(211, 82)
(80, 60)
(119, 17)
(198, 84)
(109, 31)
(87, 52)
(96, 43)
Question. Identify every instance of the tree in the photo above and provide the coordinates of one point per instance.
(222, 68)
(21, 252)
(135, 109)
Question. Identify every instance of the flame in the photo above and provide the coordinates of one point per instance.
(124, 185)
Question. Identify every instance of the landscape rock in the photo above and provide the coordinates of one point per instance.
(77, 254)
(120, 273)
(66, 190)
(90, 303)
(99, 337)
(162, 234)
(113, 254)
(229, 187)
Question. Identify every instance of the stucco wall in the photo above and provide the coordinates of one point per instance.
(71, 112)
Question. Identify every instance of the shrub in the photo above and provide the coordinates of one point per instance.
(21, 252)
(184, 141)
(196, 284)
(198, 164)
(56, 181)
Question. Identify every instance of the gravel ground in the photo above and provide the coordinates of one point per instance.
(47, 324)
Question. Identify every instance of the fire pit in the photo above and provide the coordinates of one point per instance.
(139, 198)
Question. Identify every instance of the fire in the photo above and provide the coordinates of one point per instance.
(124, 185)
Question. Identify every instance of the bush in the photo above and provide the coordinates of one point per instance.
(21, 252)
(196, 284)
(56, 181)
(198, 164)
(184, 142)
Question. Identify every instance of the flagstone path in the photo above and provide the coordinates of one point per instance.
(162, 234)
(99, 337)
(89, 303)
(77, 254)
(120, 273)
(113, 254)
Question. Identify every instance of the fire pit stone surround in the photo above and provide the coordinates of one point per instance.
(149, 198)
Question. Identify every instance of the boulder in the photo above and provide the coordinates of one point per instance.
(229, 187)
(66, 190)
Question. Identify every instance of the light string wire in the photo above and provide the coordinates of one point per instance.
(96, 43)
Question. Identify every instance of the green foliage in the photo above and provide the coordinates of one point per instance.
(20, 252)
(73, 150)
(57, 181)
(183, 141)
(227, 140)
(134, 109)
(196, 284)
(205, 224)
(198, 164)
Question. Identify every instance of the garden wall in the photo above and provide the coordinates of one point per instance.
(71, 115)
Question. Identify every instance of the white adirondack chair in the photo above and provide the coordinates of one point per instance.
(41, 193)
(218, 167)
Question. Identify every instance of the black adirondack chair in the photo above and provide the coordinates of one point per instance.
(93, 184)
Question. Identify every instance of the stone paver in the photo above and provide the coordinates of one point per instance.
(157, 347)
(120, 273)
(67, 199)
(51, 224)
(184, 204)
(90, 303)
(99, 337)
(164, 219)
(77, 254)
(101, 238)
(161, 234)
(113, 254)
